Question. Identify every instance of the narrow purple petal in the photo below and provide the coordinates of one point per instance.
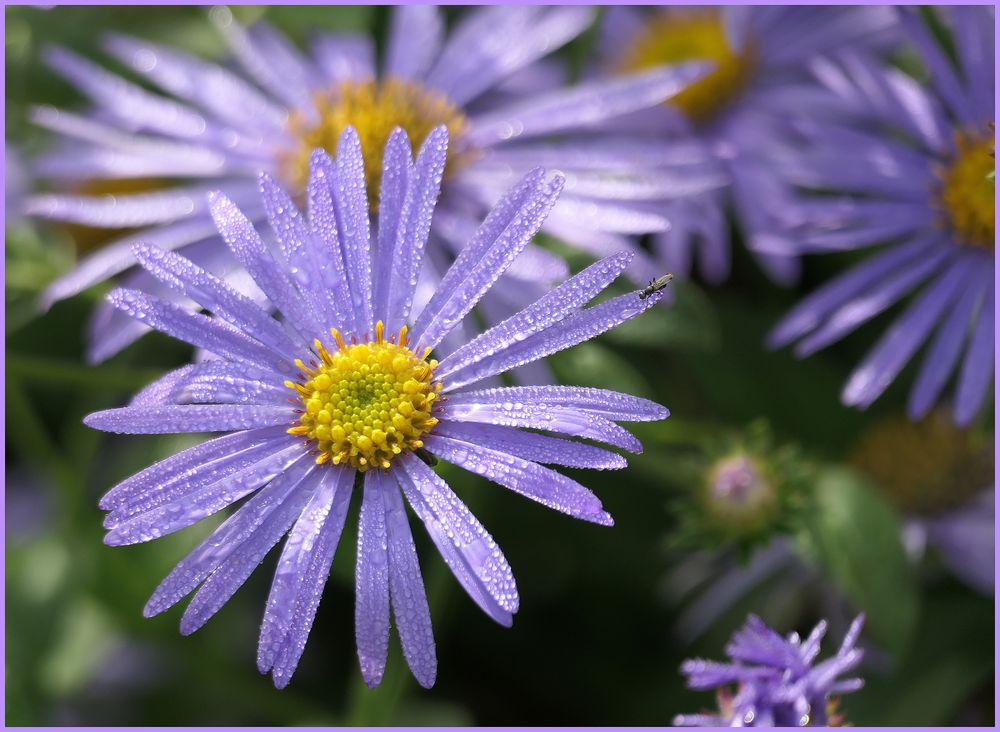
(371, 586)
(351, 204)
(397, 170)
(415, 35)
(409, 598)
(323, 223)
(195, 418)
(612, 405)
(977, 369)
(541, 484)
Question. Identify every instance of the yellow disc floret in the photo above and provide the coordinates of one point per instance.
(366, 402)
(968, 189)
(374, 109)
(698, 35)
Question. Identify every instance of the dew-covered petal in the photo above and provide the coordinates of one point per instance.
(193, 505)
(246, 244)
(576, 328)
(371, 584)
(252, 518)
(903, 338)
(414, 226)
(466, 547)
(609, 404)
(173, 419)
(564, 420)
(551, 308)
(188, 279)
(271, 61)
(541, 484)
(532, 446)
(409, 598)
(301, 574)
(188, 463)
(351, 204)
(323, 223)
(397, 169)
(486, 257)
(197, 329)
(230, 574)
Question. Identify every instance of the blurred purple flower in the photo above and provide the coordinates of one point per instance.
(778, 685)
(732, 120)
(964, 538)
(361, 403)
(488, 79)
(911, 162)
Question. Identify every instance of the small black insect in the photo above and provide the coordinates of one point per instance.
(655, 285)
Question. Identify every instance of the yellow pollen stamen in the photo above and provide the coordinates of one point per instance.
(691, 36)
(373, 108)
(967, 190)
(367, 402)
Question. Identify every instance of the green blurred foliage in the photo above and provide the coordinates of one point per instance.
(596, 639)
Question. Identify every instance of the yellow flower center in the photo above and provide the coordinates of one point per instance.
(691, 36)
(927, 466)
(374, 109)
(366, 402)
(967, 190)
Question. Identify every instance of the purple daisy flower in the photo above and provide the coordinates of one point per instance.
(910, 164)
(733, 119)
(778, 683)
(488, 80)
(313, 410)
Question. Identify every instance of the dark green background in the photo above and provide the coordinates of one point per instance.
(594, 642)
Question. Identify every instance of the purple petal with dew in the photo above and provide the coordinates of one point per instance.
(583, 105)
(162, 390)
(204, 288)
(877, 299)
(612, 405)
(86, 164)
(188, 464)
(811, 646)
(414, 226)
(198, 329)
(210, 86)
(544, 485)
(175, 487)
(563, 420)
(244, 241)
(415, 36)
(344, 56)
(466, 547)
(188, 418)
(549, 309)
(815, 308)
(576, 328)
(702, 674)
(194, 505)
(942, 72)
(903, 338)
(409, 598)
(230, 574)
(326, 240)
(223, 382)
(351, 205)
(531, 446)
(397, 172)
(755, 642)
(282, 497)
(271, 61)
(945, 348)
(476, 269)
(127, 101)
(977, 368)
(371, 585)
(301, 573)
(467, 69)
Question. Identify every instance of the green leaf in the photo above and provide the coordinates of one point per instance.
(855, 536)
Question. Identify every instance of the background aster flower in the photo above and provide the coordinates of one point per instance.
(487, 80)
(778, 683)
(733, 119)
(314, 410)
(913, 164)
